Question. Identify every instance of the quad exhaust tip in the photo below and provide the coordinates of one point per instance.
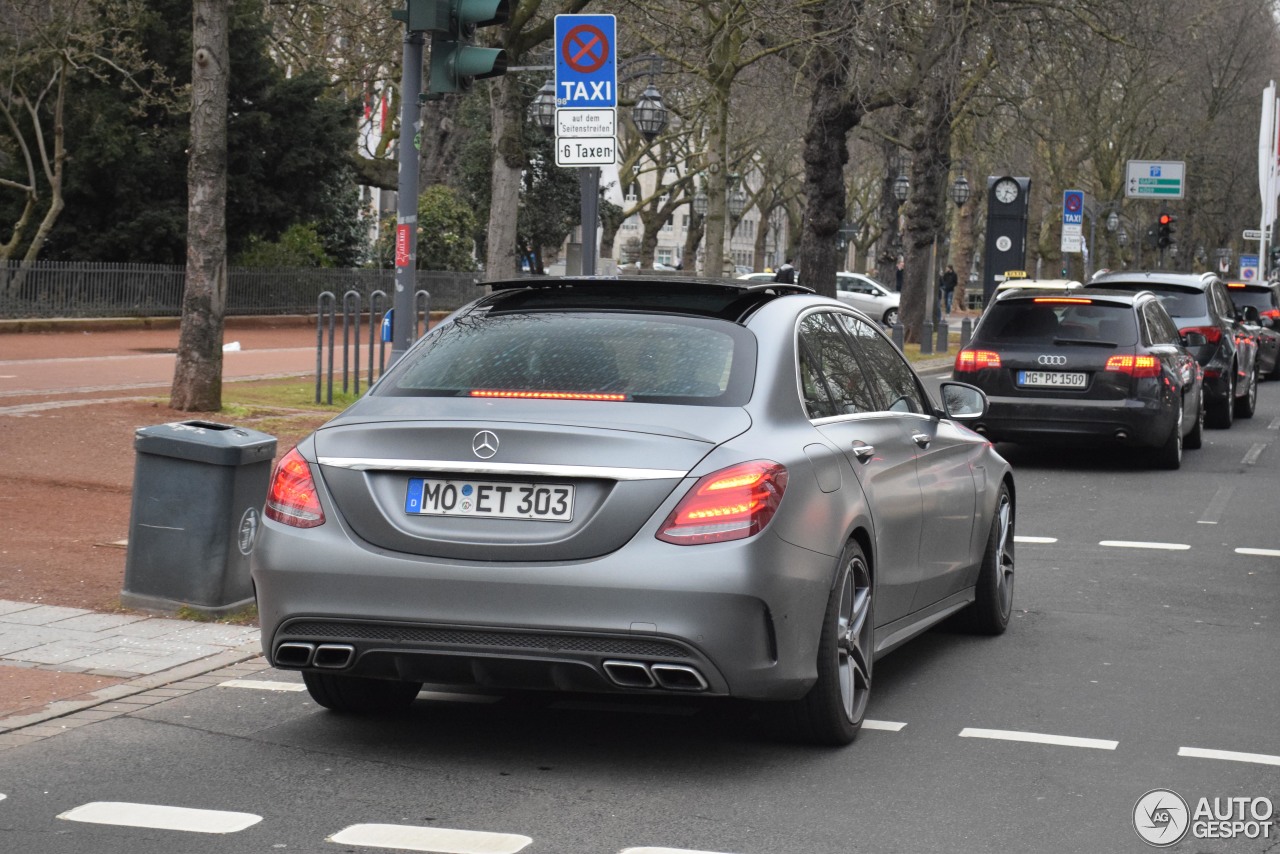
(330, 656)
(639, 674)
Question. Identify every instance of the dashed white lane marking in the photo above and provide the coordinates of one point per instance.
(159, 817)
(1133, 544)
(1229, 755)
(1018, 539)
(1252, 456)
(262, 685)
(887, 726)
(1260, 552)
(1274, 425)
(1038, 738)
(438, 840)
(1217, 506)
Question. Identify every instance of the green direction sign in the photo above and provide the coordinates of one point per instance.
(1155, 179)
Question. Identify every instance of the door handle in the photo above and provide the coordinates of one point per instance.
(864, 452)
(921, 439)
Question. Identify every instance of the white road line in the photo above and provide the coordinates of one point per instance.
(1018, 539)
(887, 726)
(1252, 456)
(262, 685)
(438, 840)
(1128, 544)
(1038, 738)
(1229, 755)
(160, 817)
(1274, 425)
(1260, 552)
(1217, 506)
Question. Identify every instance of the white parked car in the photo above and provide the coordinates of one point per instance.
(858, 290)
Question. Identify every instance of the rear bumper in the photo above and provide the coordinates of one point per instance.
(723, 612)
(1136, 422)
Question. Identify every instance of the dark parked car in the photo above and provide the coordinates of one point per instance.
(1085, 365)
(1258, 306)
(676, 487)
(1200, 305)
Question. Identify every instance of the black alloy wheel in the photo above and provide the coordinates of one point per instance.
(1195, 439)
(833, 710)
(1248, 404)
(1222, 413)
(989, 614)
(1169, 455)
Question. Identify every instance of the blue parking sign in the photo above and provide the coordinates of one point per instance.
(586, 61)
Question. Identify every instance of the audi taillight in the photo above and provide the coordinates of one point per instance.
(976, 360)
(731, 504)
(1136, 366)
(1212, 334)
(292, 498)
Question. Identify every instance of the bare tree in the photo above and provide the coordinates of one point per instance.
(197, 375)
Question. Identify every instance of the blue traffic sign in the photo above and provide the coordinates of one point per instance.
(586, 61)
(1072, 207)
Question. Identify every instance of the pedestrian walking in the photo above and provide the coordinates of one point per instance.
(897, 274)
(786, 273)
(947, 285)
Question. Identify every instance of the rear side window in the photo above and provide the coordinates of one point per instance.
(639, 358)
(831, 378)
(1027, 322)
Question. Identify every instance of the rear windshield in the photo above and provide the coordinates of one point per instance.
(1179, 302)
(633, 357)
(1027, 322)
(1261, 300)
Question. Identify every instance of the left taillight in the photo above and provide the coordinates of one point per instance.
(292, 499)
(731, 504)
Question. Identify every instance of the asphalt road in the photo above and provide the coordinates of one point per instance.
(1142, 655)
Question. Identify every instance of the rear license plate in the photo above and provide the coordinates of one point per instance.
(544, 502)
(1052, 379)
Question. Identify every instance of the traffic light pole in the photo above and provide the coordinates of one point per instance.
(407, 197)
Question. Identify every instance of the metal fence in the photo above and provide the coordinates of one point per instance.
(79, 290)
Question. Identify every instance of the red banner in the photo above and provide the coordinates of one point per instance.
(403, 257)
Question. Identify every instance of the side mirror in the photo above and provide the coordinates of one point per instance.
(1194, 339)
(963, 402)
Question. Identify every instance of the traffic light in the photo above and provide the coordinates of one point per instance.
(455, 60)
(1166, 230)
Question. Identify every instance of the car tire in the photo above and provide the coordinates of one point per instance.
(1169, 455)
(359, 696)
(832, 712)
(1222, 413)
(993, 603)
(1248, 404)
(1195, 439)
(890, 318)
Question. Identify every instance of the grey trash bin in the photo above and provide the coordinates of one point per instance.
(198, 492)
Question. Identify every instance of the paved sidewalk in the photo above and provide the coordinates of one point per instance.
(128, 655)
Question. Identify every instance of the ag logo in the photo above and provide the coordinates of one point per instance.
(1161, 818)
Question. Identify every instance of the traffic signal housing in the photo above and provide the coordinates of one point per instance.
(1165, 232)
(455, 60)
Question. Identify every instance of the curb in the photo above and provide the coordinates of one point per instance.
(121, 699)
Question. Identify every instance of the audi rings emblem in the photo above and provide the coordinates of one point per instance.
(484, 444)
(1051, 360)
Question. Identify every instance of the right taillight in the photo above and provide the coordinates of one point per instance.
(976, 360)
(1136, 366)
(1212, 334)
(292, 499)
(731, 504)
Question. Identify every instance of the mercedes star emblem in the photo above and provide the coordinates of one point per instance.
(484, 444)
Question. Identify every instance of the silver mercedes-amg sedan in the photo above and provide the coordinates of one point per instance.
(647, 486)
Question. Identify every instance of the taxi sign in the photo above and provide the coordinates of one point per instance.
(1015, 274)
(586, 61)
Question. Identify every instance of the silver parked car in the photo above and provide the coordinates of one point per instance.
(680, 487)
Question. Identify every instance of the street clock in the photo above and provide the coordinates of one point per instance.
(1007, 199)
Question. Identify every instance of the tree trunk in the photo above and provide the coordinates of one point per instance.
(826, 151)
(197, 376)
(931, 150)
(501, 261)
